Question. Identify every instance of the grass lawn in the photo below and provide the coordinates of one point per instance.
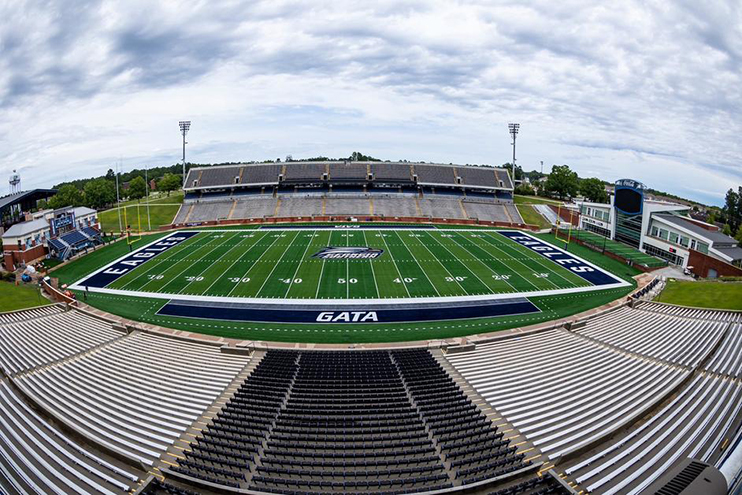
(715, 295)
(533, 200)
(532, 217)
(159, 214)
(13, 297)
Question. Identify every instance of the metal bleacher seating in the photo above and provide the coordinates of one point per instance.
(261, 174)
(74, 237)
(48, 334)
(353, 171)
(36, 457)
(435, 174)
(136, 394)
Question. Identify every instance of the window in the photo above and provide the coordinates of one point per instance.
(673, 238)
(684, 241)
(655, 231)
(702, 247)
(663, 234)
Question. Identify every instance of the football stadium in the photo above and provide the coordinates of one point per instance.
(366, 327)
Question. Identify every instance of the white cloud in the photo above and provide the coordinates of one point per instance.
(631, 89)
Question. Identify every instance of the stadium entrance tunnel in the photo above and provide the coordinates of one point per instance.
(361, 313)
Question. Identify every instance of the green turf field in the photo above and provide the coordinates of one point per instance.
(283, 264)
(615, 247)
(551, 307)
(715, 295)
(162, 210)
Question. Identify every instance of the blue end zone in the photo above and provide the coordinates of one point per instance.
(125, 265)
(577, 266)
(296, 313)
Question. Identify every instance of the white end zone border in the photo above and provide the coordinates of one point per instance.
(80, 284)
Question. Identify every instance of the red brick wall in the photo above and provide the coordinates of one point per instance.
(701, 264)
(13, 258)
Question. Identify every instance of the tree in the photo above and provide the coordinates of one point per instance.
(525, 190)
(562, 181)
(594, 190)
(738, 237)
(110, 175)
(727, 230)
(170, 182)
(733, 208)
(42, 204)
(137, 188)
(99, 193)
(67, 195)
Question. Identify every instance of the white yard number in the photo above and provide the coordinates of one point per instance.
(279, 235)
(247, 235)
(501, 277)
(414, 235)
(406, 280)
(446, 235)
(237, 280)
(381, 235)
(218, 236)
(475, 235)
(194, 279)
(350, 280)
(288, 280)
(541, 275)
(346, 235)
(156, 277)
(455, 279)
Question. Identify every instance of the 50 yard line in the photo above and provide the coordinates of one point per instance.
(371, 264)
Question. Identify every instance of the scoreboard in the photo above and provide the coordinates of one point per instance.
(629, 198)
(62, 222)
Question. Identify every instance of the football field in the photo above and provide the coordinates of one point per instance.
(335, 264)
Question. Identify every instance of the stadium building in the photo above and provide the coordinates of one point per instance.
(664, 230)
(61, 233)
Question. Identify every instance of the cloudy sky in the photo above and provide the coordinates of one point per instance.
(648, 90)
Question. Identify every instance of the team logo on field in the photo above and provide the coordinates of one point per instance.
(348, 253)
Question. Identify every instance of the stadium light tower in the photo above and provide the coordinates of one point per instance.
(184, 126)
(513, 132)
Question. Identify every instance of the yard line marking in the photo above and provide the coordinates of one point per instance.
(216, 279)
(371, 264)
(322, 266)
(275, 265)
(435, 259)
(255, 263)
(401, 279)
(168, 255)
(488, 267)
(209, 266)
(487, 235)
(513, 259)
(161, 289)
(544, 263)
(314, 234)
(418, 265)
(466, 267)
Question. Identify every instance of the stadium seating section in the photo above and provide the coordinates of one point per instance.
(360, 189)
(605, 405)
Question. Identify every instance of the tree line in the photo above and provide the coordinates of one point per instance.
(562, 183)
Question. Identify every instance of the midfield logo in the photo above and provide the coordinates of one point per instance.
(348, 253)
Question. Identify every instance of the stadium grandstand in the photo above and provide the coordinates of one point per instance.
(609, 403)
(316, 190)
